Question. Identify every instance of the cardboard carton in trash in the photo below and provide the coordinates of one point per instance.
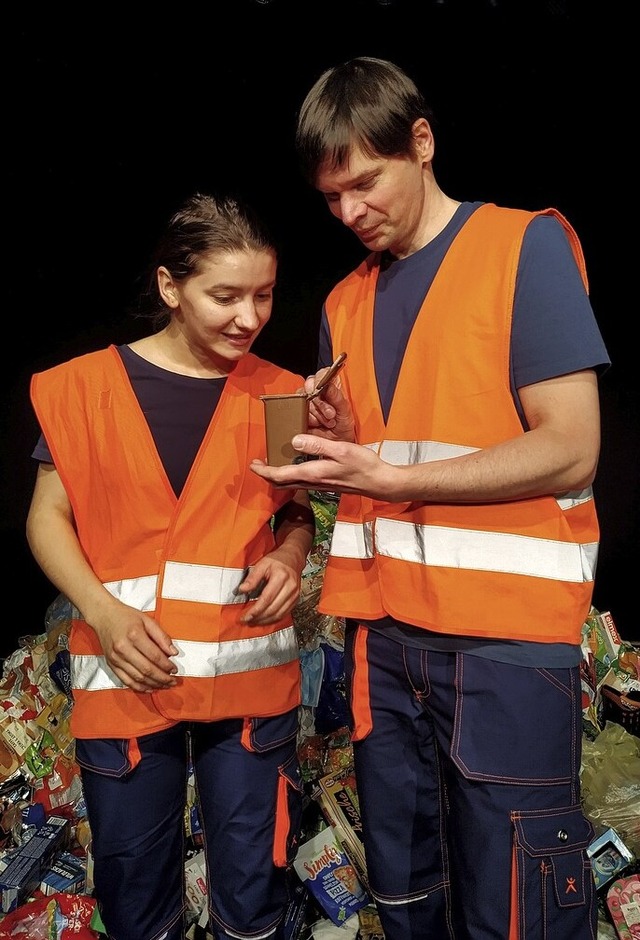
(609, 857)
(326, 870)
(606, 660)
(27, 865)
(600, 638)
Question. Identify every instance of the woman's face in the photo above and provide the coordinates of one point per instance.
(220, 311)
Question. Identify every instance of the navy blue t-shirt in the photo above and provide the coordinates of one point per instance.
(554, 332)
(178, 409)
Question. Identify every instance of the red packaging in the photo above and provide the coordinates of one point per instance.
(60, 917)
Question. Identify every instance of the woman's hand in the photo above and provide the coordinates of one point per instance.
(274, 584)
(136, 647)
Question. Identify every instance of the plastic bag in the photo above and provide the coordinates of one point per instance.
(59, 917)
(610, 778)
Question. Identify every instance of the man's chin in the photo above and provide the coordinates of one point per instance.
(374, 242)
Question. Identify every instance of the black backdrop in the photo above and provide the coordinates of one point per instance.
(112, 116)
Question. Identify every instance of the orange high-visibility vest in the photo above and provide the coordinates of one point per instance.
(179, 560)
(519, 570)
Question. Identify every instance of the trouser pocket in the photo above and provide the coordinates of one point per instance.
(273, 741)
(112, 757)
(288, 814)
(553, 877)
(247, 819)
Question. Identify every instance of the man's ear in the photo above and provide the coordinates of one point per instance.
(423, 139)
(167, 288)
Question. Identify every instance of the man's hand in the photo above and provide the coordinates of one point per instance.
(330, 414)
(338, 466)
(557, 454)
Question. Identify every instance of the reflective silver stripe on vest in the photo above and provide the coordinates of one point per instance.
(575, 498)
(469, 549)
(401, 453)
(352, 540)
(222, 659)
(136, 592)
(205, 584)
(202, 660)
(404, 453)
(93, 674)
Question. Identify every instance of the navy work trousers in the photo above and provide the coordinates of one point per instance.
(468, 778)
(250, 803)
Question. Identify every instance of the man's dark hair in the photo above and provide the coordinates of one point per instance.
(370, 103)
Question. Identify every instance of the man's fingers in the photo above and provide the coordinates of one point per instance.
(310, 444)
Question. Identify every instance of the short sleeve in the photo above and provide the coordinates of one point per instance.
(554, 328)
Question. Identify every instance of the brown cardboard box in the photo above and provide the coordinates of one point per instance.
(285, 416)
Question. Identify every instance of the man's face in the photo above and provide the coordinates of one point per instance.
(381, 199)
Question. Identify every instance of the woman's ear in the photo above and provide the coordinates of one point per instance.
(167, 288)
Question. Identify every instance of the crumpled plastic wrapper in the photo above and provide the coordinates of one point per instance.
(610, 781)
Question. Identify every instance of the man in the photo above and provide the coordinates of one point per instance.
(463, 436)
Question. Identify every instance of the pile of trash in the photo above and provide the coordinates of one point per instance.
(46, 882)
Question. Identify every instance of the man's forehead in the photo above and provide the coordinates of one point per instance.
(356, 166)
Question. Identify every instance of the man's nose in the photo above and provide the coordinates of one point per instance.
(351, 208)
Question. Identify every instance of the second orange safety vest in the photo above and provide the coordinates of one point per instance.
(519, 570)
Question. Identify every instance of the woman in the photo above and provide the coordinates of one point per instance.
(184, 568)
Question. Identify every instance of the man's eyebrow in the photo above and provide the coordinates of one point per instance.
(355, 181)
